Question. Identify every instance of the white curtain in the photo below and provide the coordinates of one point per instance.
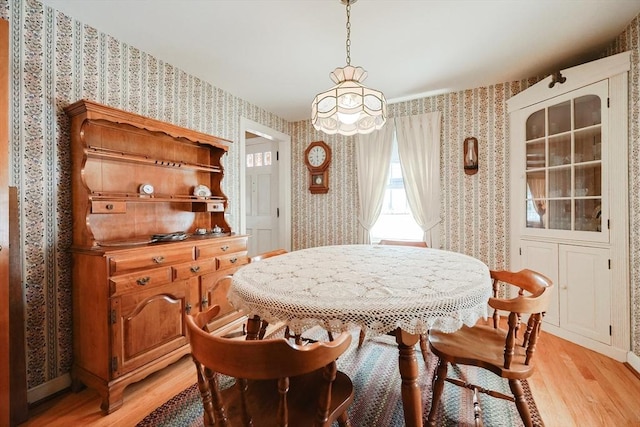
(419, 150)
(373, 157)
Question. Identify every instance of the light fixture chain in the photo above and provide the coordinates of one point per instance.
(348, 32)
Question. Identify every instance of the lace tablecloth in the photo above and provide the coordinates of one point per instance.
(377, 287)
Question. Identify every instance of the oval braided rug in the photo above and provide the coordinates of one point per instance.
(373, 368)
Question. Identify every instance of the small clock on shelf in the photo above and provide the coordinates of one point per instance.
(317, 157)
(201, 191)
(146, 189)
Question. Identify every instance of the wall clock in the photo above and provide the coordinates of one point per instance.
(317, 157)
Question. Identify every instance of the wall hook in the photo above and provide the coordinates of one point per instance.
(557, 77)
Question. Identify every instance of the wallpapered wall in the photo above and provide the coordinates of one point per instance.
(56, 60)
(629, 40)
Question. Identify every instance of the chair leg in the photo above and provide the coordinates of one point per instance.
(424, 349)
(361, 338)
(521, 402)
(343, 420)
(438, 388)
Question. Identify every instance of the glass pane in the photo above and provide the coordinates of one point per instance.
(560, 118)
(258, 159)
(560, 214)
(588, 215)
(536, 185)
(249, 160)
(587, 111)
(588, 181)
(535, 125)
(535, 155)
(267, 158)
(588, 145)
(560, 182)
(535, 213)
(560, 150)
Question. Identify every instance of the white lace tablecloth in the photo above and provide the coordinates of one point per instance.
(377, 287)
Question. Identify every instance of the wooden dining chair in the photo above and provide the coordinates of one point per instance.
(268, 254)
(276, 383)
(416, 243)
(507, 353)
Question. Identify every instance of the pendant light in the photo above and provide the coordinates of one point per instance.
(349, 107)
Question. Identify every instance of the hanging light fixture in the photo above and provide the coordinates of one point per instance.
(349, 107)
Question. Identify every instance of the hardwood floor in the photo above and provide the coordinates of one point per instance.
(572, 387)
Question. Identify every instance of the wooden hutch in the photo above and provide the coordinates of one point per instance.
(134, 181)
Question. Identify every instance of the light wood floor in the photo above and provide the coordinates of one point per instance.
(572, 387)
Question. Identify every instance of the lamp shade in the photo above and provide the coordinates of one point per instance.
(349, 107)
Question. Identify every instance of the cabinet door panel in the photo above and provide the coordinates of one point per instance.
(585, 291)
(148, 325)
(543, 258)
(214, 288)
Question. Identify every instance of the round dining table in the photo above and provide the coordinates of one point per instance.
(399, 290)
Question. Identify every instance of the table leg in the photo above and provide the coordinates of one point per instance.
(253, 328)
(411, 395)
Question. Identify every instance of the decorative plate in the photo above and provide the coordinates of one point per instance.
(201, 191)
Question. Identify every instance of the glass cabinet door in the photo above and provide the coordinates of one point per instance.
(564, 162)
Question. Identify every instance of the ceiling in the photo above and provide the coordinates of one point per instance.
(277, 54)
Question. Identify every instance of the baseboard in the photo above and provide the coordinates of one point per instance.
(634, 362)
(49, 388)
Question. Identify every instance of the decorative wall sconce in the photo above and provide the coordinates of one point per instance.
(470, 156)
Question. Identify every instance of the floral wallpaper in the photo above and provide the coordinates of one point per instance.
(629, 40)
(56, 60)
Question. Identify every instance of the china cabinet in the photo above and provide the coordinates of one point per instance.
(150, 243)
(569, 196)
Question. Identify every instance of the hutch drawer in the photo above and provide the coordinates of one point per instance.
(141, 280)
(191, 269)
(150, 257)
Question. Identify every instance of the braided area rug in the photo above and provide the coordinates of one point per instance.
(373, 368)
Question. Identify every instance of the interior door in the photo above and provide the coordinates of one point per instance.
(262, 195)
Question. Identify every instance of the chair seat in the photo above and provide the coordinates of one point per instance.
(481, 346)
(304, 392)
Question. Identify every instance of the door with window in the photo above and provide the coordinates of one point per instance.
(261, 195)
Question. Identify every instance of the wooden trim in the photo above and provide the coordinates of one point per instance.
(4, 224)
(17, 356)
(577, 77)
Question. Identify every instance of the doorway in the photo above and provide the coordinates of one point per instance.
(265, 189)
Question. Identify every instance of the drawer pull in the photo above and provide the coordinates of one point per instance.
(233, 260)
(109, 207)
(195, 268)
(204, 303)
(143, 280)
(224, 248)
(158, 259)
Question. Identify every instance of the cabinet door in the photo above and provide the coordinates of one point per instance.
(585, 303)
(147, 325)
(564, 157)
(214, 288)
(543, 258)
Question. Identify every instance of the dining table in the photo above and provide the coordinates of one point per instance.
(383, 289)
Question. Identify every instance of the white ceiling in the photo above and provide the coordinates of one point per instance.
(277, 54)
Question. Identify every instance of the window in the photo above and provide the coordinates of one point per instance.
(259, 159)
(395, 220)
